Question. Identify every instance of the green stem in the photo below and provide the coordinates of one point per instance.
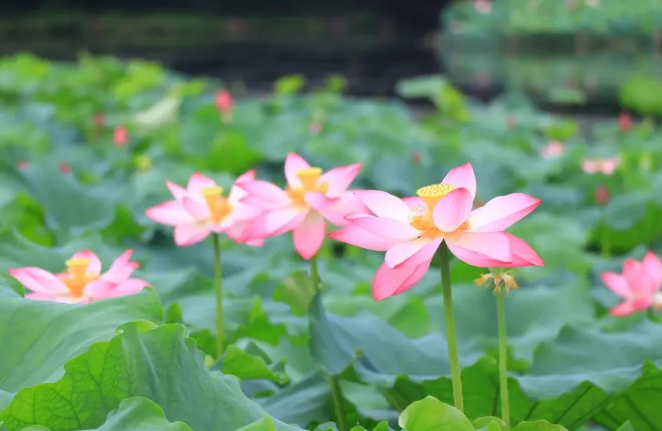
(453, 356)
(503, 356)
(336, 392)
(218, 288)
(604, 237)
(338, 403)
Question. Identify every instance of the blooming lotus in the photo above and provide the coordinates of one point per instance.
(411, 230)
(310, 198)
(638, 285)
(83, 281)
(605, 166)
(120, 136)
(201, 209)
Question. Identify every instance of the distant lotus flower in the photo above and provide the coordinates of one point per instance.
(22, 164)
(225, 105)
(65, 167)
(624, 122)
(552, 150)
(416, 157)
(83, 281)
(315, 127)
(483, 6)
(411, 230)
(120, 136)
(601, 195)
(604, 166)
(311, 197)
(638, 285)
(201, 209)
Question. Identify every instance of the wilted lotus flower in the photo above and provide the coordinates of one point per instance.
(638, 285)
(83, 281)
(120, 136)
(201, 209)
(552, 150)
(311, 197)
(411, 230)
(604, 166)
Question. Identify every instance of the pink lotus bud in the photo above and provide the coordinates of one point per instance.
(120, 136)
(601, 195)
(224, 102)
(65, 168)
(624, 122)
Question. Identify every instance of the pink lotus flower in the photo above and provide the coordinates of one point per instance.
(83, 281)
(605, 166)
(552, 150)
(638, 285)
(201, 209)
(411, 230)
(624, 122)
(120, 136)
(224, 101)
(483, 6)
(310, 197)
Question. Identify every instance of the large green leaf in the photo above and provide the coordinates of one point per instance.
(430, 414)
(162, 365)
(42, 336)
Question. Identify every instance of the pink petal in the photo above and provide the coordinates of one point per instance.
(236, 192)
(414, 202)
(264, 194)
(617, 284)
(387, 228)
(383, 204)
(190, 233)
(279, 221)
(170, 213)
(358, 237)
(490, 245)
(38, 280)
(639, 280)
(452, 210)
(502, 212)
(177, 191)
(462, 177)
(197, 209)
(197, 182)
(336, 209)
(411, 252)
(309, 235)
(523, 254)
(61, 298)
(340, 178)
(393, 281)
(121, 269)
(99, 289)
(293, 164)
(473, 258)
(94, 267)
(623, 309)
(653, 266)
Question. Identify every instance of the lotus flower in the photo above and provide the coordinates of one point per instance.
(605, 166)
(201, 209)
(624, 122)
(83, 281)
(311, 197)
(552, 150)
(638, 285)
(224, 102)
(120, 136)
(411, 230)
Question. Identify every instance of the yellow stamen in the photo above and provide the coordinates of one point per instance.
(309, 179)
(433, 193)
(77, 277)
(425, 223)
(219, 207)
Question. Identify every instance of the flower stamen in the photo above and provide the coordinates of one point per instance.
(77, 277)
(433, 193)
(219, 207)
(309, 179)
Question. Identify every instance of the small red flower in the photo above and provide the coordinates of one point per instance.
(65, 168)
(601, 195)
(224, 101)
(120, 136)
(624, 122)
